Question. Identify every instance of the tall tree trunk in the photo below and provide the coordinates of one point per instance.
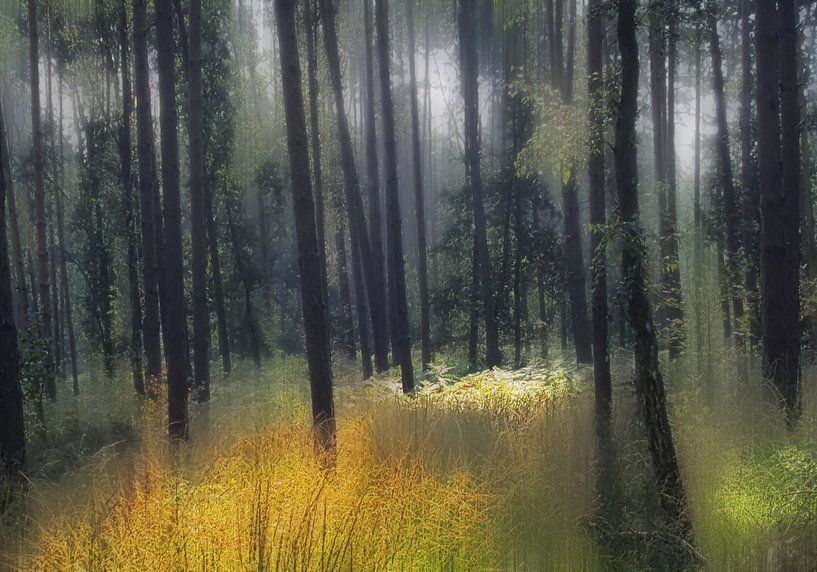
(215, 276)
(672, 264)
(422, 248)
(12, 426)
(174, 307)
(598, 218)
(358, 234)
(648, 381)
(748, 168)
(346, 326)
(401, 338)
(315, 316)
(372, 169)
(311, 27)
(43, 278)
(130, 215)
(21, 279)
(198, 220)
(469, 70)
(148, 190)
(725, 179)
(473, 316)
(780, 239)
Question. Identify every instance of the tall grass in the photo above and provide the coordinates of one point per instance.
(493, 471)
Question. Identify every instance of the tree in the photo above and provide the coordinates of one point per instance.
(469, 70)
(598, 218)
(358, 233)
(649, 384)
(12, 427)
(422, 256)
(315, 317)
(201, 310)
(148, 184)
(401, 339)
(779, 172)
(174, 307)
(137, 370)
(725, 179)
(43, 278)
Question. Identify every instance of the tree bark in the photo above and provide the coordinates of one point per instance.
(598, 218)
(422, 248)
(315, 317)
(148, 185)
(12, 426)
(137, 370)
(354, 203)
(174, 307)
(780, 195)
(198, 220)
(401, 338)
(469, 70)
(725, 178)
(648, 381)
(43, 278)
(748, 168)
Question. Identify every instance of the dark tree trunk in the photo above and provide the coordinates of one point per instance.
(748, 168)
(198, 220)
(598, 218)
(137, 369)
(346, 328)
(671, 273)
(358, 234)
(21, 279)
(422, 248)
(473, 315)
(780, 199)
(148, 190)
(725, 181)
(12, 428)
(401, 339)
(372, 168)
(215, 275)
(312, 296)
(469, 70)
(648, 381)
(43, 278)
(174, 308)
(311, 27)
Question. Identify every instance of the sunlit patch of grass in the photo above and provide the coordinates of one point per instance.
(270, 502)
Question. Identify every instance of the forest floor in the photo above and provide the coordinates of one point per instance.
(490, 470)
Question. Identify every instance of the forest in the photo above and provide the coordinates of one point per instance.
(408, 285)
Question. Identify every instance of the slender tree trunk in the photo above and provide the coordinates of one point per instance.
(469, 70)
(174, 307)
(401, 339)
(725, 179)
(215, 275)
(648, 381)
(473, 317)
(346, 326)
(598, 218)
(672, 265)
(12, 426)
(372, 168)
(148, 190)
(201, 310)
(43, 278)
(21, 279)
(316, 327)
(354, 203)
(748, 168)
(781, 212)
(422, 248)
(311, 27)
(130, 215)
